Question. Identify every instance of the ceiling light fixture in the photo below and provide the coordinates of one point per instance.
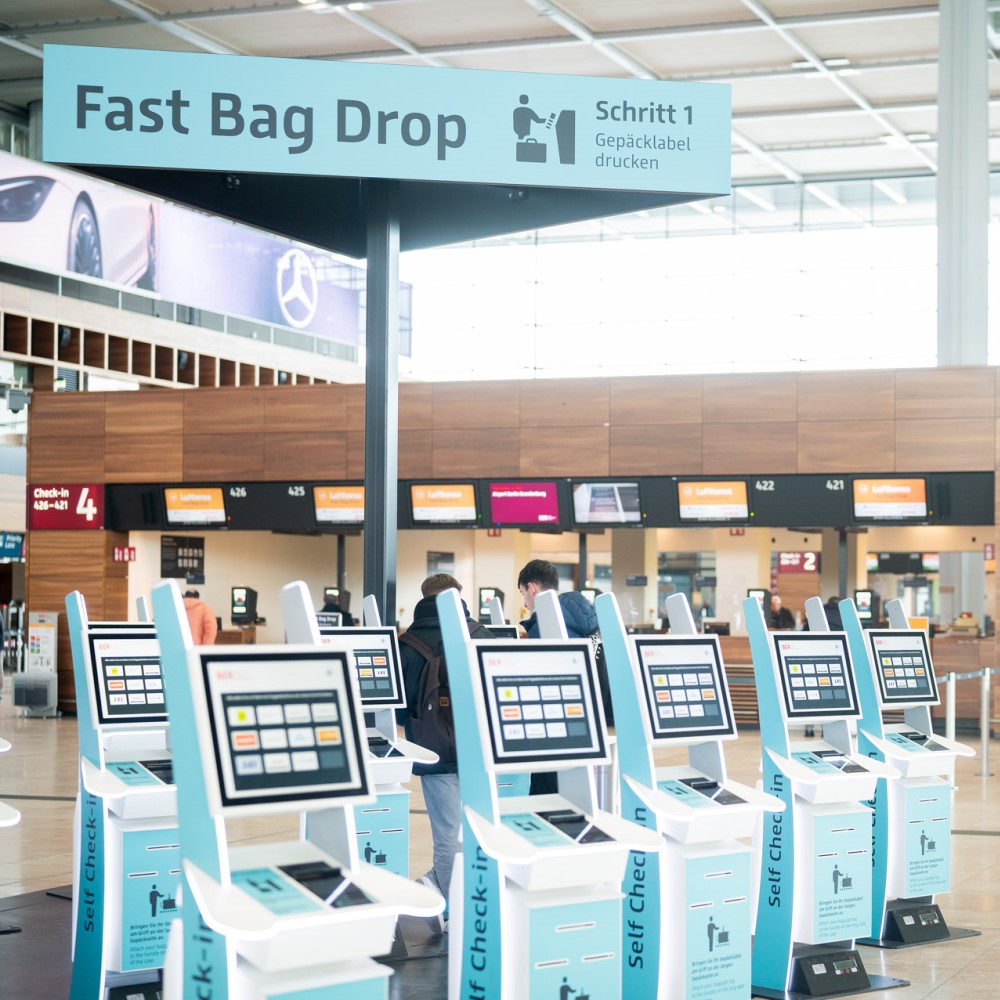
(918, 136)
(359, 6)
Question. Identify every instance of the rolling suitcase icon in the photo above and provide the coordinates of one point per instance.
(846, 882)
(531, 151)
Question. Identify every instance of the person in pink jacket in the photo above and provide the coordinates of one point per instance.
(201, 618)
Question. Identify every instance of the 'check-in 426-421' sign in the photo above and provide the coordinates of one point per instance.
(65, 506)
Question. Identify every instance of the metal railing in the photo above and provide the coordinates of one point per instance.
(985, 721)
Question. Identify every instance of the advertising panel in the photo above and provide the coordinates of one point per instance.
(514, 503)
(443, 503)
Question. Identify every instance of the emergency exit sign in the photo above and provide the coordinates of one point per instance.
(62, 507)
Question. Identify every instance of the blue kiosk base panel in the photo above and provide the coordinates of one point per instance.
(913, 922)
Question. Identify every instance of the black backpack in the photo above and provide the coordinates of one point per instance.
(431, 722)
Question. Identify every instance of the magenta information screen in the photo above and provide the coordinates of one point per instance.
(524, 503)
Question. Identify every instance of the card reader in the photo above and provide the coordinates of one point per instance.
(575, 825)
(327, 882)
(924, 740)
(841, 761)
(712, 790)
(379, 746)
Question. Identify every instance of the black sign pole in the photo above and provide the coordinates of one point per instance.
(382, 394)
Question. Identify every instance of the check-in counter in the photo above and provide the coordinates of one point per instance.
(962, 655)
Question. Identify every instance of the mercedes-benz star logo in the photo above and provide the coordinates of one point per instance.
(298, 289)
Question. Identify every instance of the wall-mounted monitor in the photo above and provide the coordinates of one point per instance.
(817, 678)
(283, 725)
(541, 700)
(524, 504)
(125, 670)
(244, 605)
(607, 503)
(374, 653)
(903, 667)
(686, 693)
(890, 499)
(195, 506)
(712, 501)
(443, 504)
(339, 504)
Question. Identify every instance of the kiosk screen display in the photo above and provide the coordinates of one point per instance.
(686, 695)
(503, 631)
(339, 504)
(713, 501)
(443, 503)
(817, 679)
(903, 666)
(524, 503)
(125, 667)
(283, 725)
(607, 503)
(541, 703)
(375, 655)
(890, 499)
(195, 505)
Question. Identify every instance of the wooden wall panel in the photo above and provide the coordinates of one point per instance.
(484, 404)
(144, 458)
(416, 403)
(355, 407)
(655, 450)
(941, 393)
(68, 415)
(416, 455)
(749, 448)
(294, 409)
(234, 412)
(945, 445)
(656, 400)
(749, 398)
(831, 395)
(66, 438)
(304, 455)
(356, 454)
(154, 411)
(479, 452)
(577, 451)
(564, 403)
(224, 457)
(847, 446)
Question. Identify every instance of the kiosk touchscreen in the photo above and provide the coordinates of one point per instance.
(911, 833)
(816, 858)
(374, 654)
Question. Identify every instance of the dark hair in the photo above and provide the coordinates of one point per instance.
(539, 571)
(191, 593)
(438, 584)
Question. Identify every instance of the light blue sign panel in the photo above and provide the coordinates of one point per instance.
(687, 795)
(535, 830)
(717, 928)
(151, 861)
(928, 839)
(842, 877)
(295, 116)
(132, 773)
(271, 889)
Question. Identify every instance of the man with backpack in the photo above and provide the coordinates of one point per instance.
(428, 722)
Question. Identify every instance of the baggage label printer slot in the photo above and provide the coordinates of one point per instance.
(269, 730)
(814, 861)
(912, 822)
(686, 932)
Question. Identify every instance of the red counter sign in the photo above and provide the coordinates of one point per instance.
(61, 507)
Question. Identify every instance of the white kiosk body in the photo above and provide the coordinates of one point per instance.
(126, 859)
(814, 861)
(686, 932)
(911, 832)
(536, 898)
(267, 730)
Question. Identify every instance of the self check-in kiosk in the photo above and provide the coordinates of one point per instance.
(686, 926)
(383, 826)
(265, 731)
(536, 895)
(911, 831)
(126, 859)
(814, 860)
(507, 784)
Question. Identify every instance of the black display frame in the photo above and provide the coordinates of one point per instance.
(892, 701)
(811, 711)
(561, 522)
(707, 522)
(575, 482)
(398, 700)
(407, 488)
(138, 630)
(915, 519)
(195, 525)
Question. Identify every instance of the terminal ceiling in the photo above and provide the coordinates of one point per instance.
(824, 91)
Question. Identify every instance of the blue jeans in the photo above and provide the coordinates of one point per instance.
(444, 810)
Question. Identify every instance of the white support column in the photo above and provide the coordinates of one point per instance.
(963, 184)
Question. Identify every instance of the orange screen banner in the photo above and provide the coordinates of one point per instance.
(443, 502)
(339, 504)
(890, 498)
(713, 501)
(195, 505)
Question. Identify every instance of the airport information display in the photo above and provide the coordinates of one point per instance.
(443, 503)
(375, 655)
(817, 679)
(541, 703)
(903, 667)
(607, 503)
(890, 499)
(339, 504)
(195, 505)
(686, 695)
(713, 501)
(128, 683)
(524, 503)
(283, 727)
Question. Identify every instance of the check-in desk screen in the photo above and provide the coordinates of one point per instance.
(283, 726)
(903, 667)
(541, 702)
(817, 679)
(686, 695)
(374, 653)
(125, 668)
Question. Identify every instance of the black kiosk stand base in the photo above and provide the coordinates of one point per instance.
(828, 970)
(8, 928)
(909, 922)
